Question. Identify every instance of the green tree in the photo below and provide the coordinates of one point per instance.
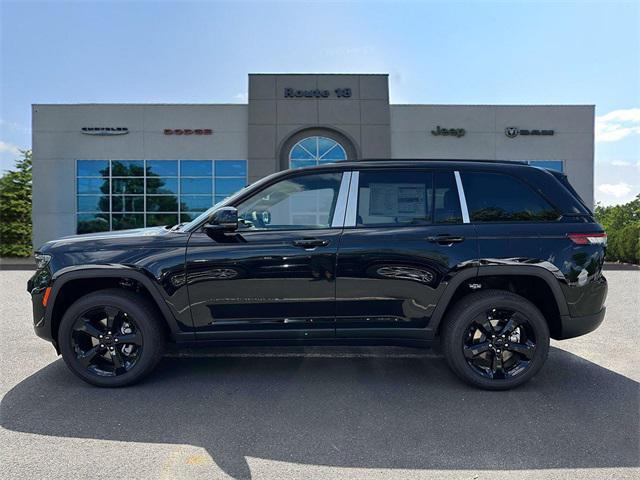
(15, 209)
(622, 224)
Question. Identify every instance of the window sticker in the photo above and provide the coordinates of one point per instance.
(397, 200)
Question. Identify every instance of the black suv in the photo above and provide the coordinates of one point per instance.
(490, 258)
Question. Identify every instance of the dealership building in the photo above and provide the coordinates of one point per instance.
(99, 167)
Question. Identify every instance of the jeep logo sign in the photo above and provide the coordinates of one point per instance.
(104, 131)
(452, 132)
(513, 132)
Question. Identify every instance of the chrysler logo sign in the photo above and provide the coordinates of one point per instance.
(105, 131)
(513, 132)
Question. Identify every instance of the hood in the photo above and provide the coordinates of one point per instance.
(139, 237)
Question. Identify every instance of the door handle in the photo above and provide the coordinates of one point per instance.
(309, 243)
(445, 239)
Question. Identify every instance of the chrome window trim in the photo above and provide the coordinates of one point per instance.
(341, 203)
(462, 198)
(352, 201)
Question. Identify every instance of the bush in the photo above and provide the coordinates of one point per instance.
(622, 224)
(15, 209)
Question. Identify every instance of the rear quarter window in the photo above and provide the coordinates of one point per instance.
(496, 197)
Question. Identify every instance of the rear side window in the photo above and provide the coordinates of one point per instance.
(494, 197)
(446, 202)
(394, 197)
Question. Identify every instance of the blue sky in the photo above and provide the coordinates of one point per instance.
(453, 52)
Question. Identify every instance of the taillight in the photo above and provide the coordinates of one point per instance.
(588, 238)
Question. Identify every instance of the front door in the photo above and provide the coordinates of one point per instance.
(404, 236)
(275, 277)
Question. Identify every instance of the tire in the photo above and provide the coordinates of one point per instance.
(465, 335)
(132, 346)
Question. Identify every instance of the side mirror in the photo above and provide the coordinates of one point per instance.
(224, 219)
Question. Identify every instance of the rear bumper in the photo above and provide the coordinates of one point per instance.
(576, 326)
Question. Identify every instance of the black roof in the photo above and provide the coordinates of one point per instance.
(447, 163)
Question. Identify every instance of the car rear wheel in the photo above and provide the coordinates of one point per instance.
(495, 339)
(111, 338)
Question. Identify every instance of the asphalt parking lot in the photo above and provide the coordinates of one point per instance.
(294, 413)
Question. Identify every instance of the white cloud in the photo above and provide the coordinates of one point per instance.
(9, 148)
(618, 124)
(621, 163)
(241, 97)
(618, 190)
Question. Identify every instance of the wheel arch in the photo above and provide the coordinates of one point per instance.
(69, 286)
(533, 282)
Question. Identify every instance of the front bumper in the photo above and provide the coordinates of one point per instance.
(576, 326)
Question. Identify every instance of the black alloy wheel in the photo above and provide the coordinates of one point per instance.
(107, 341)
(499, 344)
(495, 339)
(111, 338)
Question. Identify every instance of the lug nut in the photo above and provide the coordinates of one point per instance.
(498, 351)
(102, 345)
(109, 333)
(101, 336)
(506, 344)
(491, 345)
(116, 340)
(110, 348)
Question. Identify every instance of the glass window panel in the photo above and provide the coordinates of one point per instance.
(394, 198)
(125, 221)
(93, 203)
(311, 145)
(302, 163)
(324, 145)
(93, 185)
(158, 185)
(127, 186)
(220, 198)
(231, 168)
(88, 223)
(195, 203)
(335, 154)
(299, 153)
(195, 168)
(227, 186)
(127, 168)
(127, 203)
(93, 168)
(548, 164)
(162, 219)
(275, 206)
(494, 197)
(195, 185)
(162, 203)
(187, 217)
(162, 168)
(446, 200)
(316, 150)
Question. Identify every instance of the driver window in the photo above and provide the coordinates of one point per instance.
(304, 202)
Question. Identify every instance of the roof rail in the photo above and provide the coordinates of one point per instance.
(521, 162)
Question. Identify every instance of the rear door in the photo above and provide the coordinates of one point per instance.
(405, 235)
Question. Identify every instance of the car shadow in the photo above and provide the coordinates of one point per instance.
(378, 412)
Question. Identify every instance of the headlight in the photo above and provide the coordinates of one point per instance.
(42, 260)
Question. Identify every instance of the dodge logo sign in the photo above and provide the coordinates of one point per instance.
(188, 131)
(105, 131)
(513, 132)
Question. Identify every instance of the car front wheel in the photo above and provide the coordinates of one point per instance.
(111, 338)
(495, 339)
